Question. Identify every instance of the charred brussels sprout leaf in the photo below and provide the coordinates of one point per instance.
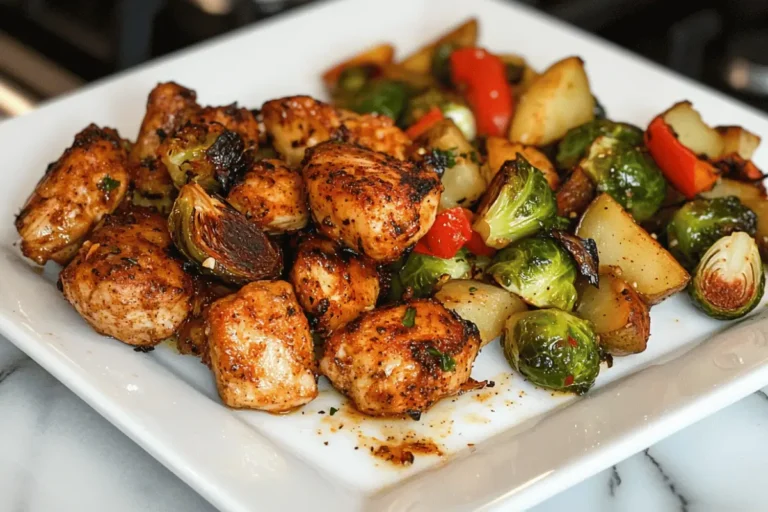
(206, 154)
(539, 270)
(576, 142)
(584, 253)
(553, 349)
(220, 239)
(626, 173)
(700, 223)
(384, 97)
(422, 273)
(517, 203)
(729, 281)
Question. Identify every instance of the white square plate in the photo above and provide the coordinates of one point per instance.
(513, 441)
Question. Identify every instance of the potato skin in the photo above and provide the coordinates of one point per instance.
(387, 368)
(124, 283)
(370, 202)
(273, 196)
(332, 285)
(575, 194)
(260, 348)
(73, 196)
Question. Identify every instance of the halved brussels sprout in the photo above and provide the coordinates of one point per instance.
(626, 173)
(516, 204)
(552, 349)
(207, 154)
(422, 273)
(574, 145)
(729, 281)
(539, 270)
(450, 104)
(220, 239)
(700, 223)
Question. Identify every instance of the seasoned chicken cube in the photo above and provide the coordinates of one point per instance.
(124, 283)
(87, 182)
(401, 359)
(273, 196)
(333, 285)
(375, 132)
(260, 348)
(297, 123)
(237, 119)
(370, 202)
(169, 105)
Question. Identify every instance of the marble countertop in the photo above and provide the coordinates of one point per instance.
(56, 453)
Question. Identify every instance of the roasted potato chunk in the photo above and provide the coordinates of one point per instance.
(123, 282)
(500, 150)
(260, 348)
(332, 285)
(370, 202)
(401, 359)
(87, 182)
(617, 312)
(461, 36)
(273, 196)
(738, 140)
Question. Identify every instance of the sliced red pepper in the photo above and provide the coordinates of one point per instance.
(447, 235)
(476, 245)
(424, 123)
(688, 173)
(483, 77)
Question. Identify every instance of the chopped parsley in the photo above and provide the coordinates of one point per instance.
(130, 261)
(447, 362)
(107, 184)
(472, 289)
(409, 318)
(333, 411)
(441, 159)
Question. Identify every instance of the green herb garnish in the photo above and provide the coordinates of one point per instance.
(409, 318)
(107, 184)
(447, 362)
(130, 261)
(472, 289)
(333, 411)
(441, 159)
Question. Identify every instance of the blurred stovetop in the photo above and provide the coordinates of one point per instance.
(50, 46)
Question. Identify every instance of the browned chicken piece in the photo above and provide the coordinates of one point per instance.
(124, 283)
(333, 285)
(401, 359)
(261, 349)
(87, 182)
(298, 122)
(169, 106)
(234, 118)
(190, 337)
(375, 132)
(273, 196)
(372, 203)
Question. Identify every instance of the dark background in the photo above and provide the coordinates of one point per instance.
(723, 43)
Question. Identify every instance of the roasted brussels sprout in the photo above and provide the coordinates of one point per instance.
(729, 281)
(626, 173)
(220, 239)
(574, 145)
(207, 154)
(539, 270)
(700, 223)
(516, 204)
(384, 97)
(422, 273)
(552, 349)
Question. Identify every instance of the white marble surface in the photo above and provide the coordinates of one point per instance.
(57, 454)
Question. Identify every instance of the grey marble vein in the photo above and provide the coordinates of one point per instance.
(762, 393)
(614, 482)
(667, 480)
(8, 371)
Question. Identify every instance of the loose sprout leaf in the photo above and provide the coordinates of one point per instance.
(447, 362)
(409, 318)
(107, 184)
(333, 411)
(583, 251)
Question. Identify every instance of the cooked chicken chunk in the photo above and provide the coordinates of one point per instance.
(375, 132)
(124, 283)
(401, 359)
(87, 182)
(273, 196)
(370, 202)
(239, 120)
(332, 285)
(169, 106)
(297, 123)
(261, 348)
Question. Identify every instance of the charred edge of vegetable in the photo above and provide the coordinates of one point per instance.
(583, 251)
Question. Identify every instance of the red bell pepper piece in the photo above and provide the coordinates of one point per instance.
(447, 235)
(483, 77)
(424, 123)
(688, 173)
(476, 245)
